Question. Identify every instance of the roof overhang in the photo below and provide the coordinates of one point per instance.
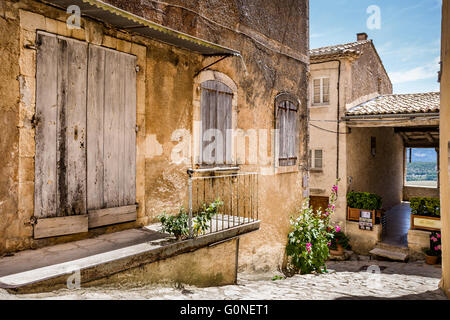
(393, 120)
(130, 22)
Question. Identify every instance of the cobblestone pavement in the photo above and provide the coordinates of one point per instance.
(345, 280)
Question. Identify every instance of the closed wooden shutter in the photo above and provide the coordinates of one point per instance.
(85, 136)
(60, 163)
(216, 111)
(288, 133)
(111, 149)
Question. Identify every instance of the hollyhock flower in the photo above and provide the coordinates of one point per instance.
(329, 244)
(338, 228)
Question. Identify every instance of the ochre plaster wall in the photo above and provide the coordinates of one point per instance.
(165, 91)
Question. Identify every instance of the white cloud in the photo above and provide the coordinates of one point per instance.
(419, 73)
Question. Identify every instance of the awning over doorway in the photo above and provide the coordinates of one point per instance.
(128, 21)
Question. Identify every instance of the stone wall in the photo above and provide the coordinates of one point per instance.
(368, 74)
(411, 192)
(166, 93)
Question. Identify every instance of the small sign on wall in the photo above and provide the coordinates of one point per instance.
(366, 220)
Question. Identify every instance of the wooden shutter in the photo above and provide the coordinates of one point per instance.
(85, 167)
(288, 133)
(60, 164)
(216, 110)
(111, 149)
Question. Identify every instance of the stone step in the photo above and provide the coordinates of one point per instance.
(389, 254)
(392, 247)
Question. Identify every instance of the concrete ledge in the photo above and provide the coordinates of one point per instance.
(105, 264)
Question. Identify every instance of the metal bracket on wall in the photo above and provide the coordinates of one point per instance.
(211, 64)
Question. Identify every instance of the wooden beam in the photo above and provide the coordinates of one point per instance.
(103, 217)
(429, 137)
(52, 227)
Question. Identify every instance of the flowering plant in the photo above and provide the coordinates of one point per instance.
(339, 237)
(309, 239)
(435, 245)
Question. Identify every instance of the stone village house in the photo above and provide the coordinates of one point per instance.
(92, 118)
(360, 132)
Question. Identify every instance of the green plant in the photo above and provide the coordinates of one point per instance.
(339, 237)
(364, 200)
(275, 278)
(178, 225)
(204, 216)
(309, 239)
(423, 206)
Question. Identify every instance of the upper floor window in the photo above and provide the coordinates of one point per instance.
(287, 125)
(216, 116)
(321, 91)
(316, 159)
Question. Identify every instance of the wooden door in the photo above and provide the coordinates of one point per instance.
(60, 164)
(85, 136)
(319, 203)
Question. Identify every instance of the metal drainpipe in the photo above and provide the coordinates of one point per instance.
(338, 112)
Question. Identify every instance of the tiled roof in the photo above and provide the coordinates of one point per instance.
(338, 49)
(398, 104)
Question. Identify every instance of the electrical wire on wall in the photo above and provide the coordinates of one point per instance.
(331, 131)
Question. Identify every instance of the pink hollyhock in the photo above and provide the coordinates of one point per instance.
(329, 244)
(338, 228)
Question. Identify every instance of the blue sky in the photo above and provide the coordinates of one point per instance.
(408, 41)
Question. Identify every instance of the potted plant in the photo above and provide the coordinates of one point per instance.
(359, 201)
(338, 242)
(431, 256)
(425, 214)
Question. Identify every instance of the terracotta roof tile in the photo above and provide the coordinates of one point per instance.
(399, 104)
(337, 49)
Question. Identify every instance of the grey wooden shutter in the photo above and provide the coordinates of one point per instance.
(85, 166)
(60, 162)
(288, 133)
(216, 111)
(111, 163)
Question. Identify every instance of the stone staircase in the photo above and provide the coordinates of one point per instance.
(390, 252)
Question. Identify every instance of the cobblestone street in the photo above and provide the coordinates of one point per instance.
(345, 280)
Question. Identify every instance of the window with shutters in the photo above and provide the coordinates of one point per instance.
(321, 91)
(287, 126)
(316, 159)
(85, 136)
(216, 116)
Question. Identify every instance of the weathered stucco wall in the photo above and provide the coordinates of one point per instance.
(165, 91)
(445, 146)
(9, 120)
(381, 174)
(203, 267)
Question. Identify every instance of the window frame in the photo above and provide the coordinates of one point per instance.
(313, 157)
(321, 92)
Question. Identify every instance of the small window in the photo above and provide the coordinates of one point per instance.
(316, 159)
(321, 91)
(287, 124)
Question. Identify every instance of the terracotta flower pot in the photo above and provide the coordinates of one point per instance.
(431, 259)
(338, 252)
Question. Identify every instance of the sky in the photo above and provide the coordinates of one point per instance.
(408, 38)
